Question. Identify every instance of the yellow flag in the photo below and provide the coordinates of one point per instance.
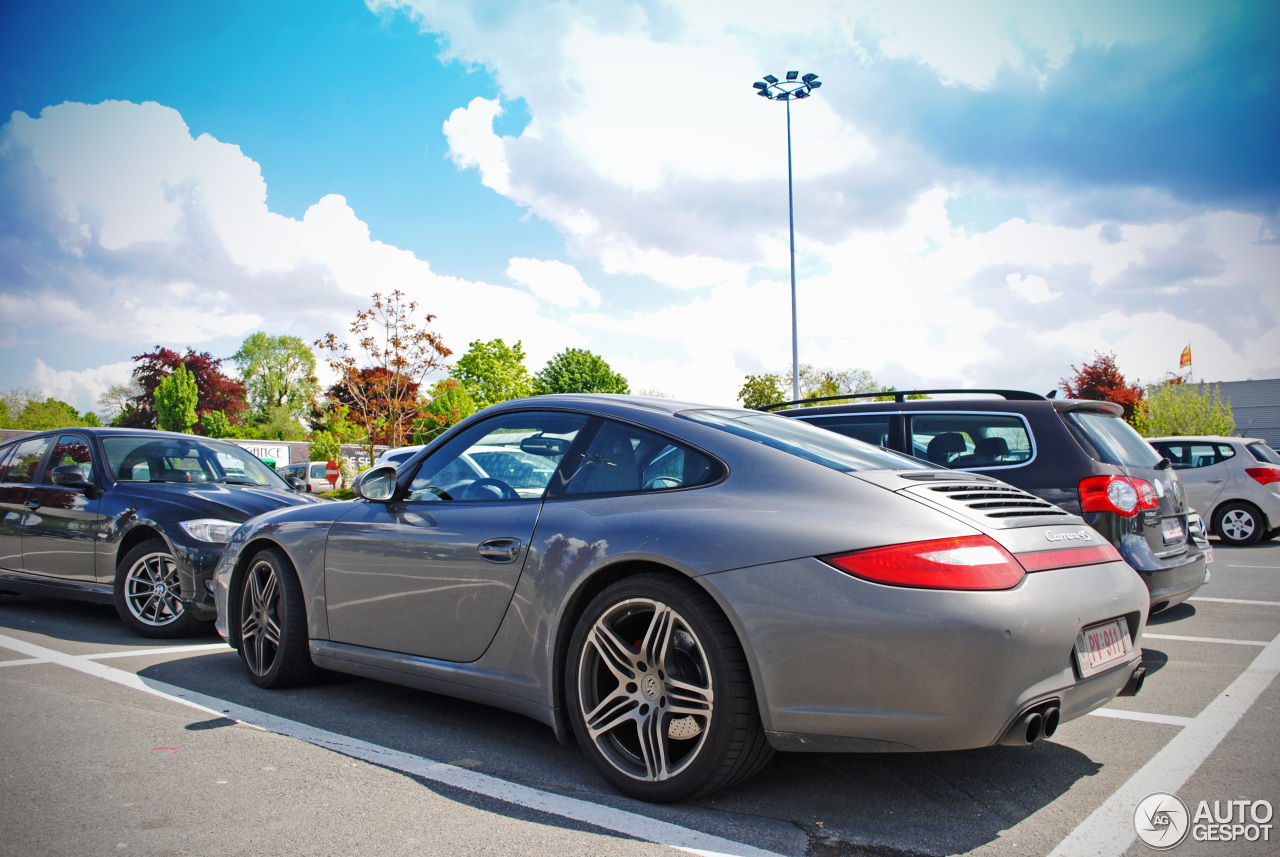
(1185, 360)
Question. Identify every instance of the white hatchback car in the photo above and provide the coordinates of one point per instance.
(1233, 482)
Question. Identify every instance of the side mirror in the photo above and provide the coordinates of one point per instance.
(70, 476)
(297, 484)
(377, 484)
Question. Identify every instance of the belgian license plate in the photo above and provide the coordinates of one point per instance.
(1101, 646)
(1172, 528)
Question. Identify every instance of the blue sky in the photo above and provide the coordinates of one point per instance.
(985, 194)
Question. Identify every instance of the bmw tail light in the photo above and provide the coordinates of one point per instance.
(1264, 475)
(1123, 495)
(965, 562)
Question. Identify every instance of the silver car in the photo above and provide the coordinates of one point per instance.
(693, 588)
(1233, 482)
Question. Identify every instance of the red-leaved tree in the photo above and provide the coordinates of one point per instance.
(217, 391)
(1101, 381)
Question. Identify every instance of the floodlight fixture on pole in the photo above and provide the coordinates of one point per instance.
(788, 90)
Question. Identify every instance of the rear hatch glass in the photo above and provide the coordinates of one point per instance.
(1111, 440)
(1262, 452)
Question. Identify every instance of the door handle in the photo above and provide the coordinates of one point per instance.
(32, 504)
(499, 550)
(1215, 481)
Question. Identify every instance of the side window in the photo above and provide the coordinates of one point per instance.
(508, 457)
(624, 459)
(1225, 451)
(26, 460)
(71, 449)
(871, 428)
(971, 440)
(5, 454)
(317, 469)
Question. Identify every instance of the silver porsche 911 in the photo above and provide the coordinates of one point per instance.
(685, 589)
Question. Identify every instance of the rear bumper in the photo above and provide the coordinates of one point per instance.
(842, 664)
(1175, 580)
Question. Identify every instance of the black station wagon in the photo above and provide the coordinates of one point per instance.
(1079, 455)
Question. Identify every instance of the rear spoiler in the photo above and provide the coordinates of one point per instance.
(1066, 405)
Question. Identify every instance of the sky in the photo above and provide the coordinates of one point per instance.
(986, 193)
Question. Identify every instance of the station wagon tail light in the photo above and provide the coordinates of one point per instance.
(1264, 475)
(1123, 495)
(965, 562)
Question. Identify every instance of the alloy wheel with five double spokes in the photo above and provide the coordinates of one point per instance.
(645, 690)
(260, 612)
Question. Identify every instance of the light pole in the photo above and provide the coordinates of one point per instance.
(787, 90)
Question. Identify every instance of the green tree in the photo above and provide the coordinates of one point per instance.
(117, 400)
(493, 372)
(176, 399)
(761, 390)
(24, 409)
(576, 370)
(1184, 409)
(277, 423)
(215, 424)
(451, 403)
(324, 446)
(277, 371)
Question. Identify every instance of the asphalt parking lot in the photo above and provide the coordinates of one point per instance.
(117, 745)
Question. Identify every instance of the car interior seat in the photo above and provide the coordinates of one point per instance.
(944, 446)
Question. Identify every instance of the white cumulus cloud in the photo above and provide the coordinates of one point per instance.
(553, 281)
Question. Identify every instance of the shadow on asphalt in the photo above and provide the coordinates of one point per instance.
(1153, 660)
(81, 622)
(924, 804)
(1173, 614)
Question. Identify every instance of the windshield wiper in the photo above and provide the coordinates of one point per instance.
(233, 480)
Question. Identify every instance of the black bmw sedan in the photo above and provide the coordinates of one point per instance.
(132, 518)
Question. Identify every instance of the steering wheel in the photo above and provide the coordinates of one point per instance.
(657, 483)
(475, 491)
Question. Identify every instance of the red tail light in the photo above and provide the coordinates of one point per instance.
(1068, 558)
(966, 562)
(1264, 475)
(1123, 495)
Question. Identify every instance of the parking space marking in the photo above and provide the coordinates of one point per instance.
(137, 653)
(1204, 640)
(1237, 601)
(1165, 719)
(24, 662)
(1109, 829)
(620, 821)
(1271, 567)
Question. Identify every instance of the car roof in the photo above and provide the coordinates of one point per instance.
(965, 404)
(611, 403)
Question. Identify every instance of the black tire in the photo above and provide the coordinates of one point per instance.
(272, 623)
(146, 594)
(1239, 524)
(639, 745)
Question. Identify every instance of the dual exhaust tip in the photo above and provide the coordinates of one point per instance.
(1042, 720)
(1034, 724)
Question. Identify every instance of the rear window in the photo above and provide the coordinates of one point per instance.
(1112, 440)
(1262, 452)
(806, 441)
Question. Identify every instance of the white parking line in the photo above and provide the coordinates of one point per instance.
(1165, 719)
(1226, 642)
(137, 653)
(608, 818)
(1109, 829)
(1271, 567)
(1237, 601)
(23, 662)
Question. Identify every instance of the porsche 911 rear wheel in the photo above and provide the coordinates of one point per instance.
(660, 696)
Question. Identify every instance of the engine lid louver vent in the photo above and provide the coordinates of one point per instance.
(996, 503)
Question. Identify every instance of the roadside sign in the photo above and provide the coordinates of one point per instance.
(331, 472)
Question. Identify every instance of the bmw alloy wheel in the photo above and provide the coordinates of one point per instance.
(151, 590)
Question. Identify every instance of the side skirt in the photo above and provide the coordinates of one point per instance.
(55, 589)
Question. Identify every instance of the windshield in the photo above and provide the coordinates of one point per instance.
(805, 441)
(1113, 440)
(1262, 452)
(186, 459)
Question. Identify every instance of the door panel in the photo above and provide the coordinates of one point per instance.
(15, 492)
(61, 531)
(410, 577)
(432, 574)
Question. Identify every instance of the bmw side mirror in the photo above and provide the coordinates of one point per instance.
(297, 484)
(376, 485)
(70, 476)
